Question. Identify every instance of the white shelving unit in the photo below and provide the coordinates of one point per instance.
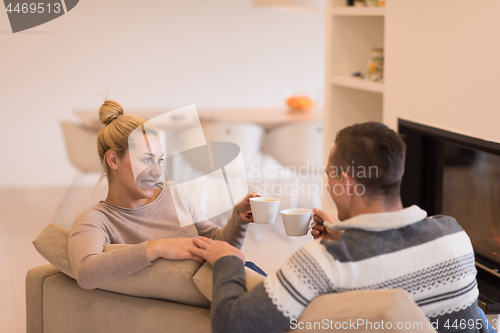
(351, 33)
(356, 83)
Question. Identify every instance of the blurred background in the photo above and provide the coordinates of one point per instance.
(149, 56)
(146, 55)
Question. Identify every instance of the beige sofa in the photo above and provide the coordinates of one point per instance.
(56, 304)
(175, 297)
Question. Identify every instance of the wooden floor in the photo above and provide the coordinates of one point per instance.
(25, 212)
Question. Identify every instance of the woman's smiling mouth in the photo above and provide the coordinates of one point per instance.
(149, 183)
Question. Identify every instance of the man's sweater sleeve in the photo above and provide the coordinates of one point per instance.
(237, 311)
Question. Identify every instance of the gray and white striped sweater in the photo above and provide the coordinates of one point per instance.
(430, 257)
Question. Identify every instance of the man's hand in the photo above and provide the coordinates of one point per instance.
(243, 207)
(212, 250)
(320, 231)
(172, 249)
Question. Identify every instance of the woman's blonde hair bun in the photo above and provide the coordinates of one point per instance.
(115, 137)
(109, 111)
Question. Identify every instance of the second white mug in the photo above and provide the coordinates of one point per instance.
(296, 221)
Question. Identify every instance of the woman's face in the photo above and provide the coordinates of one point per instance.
(142, 164)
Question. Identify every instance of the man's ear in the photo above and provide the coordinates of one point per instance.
(348, 183)
(112, 160)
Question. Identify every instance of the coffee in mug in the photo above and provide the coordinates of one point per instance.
(264, 209)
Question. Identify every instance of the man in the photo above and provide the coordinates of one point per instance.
(378, 245)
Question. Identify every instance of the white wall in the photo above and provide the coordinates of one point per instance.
(153, 54)
(443, 65)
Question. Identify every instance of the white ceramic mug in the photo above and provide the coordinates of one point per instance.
(264, 209)
(296, 221)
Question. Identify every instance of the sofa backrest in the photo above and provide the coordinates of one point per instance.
(363, 311)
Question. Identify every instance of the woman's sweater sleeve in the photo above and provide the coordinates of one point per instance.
(233, 232)
(92, 266)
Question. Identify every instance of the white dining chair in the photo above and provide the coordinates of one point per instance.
(247, 136)
(299, 148)
(297, 145)
(81, 148)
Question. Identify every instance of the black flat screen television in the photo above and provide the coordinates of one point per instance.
(457, 175)
(471, 194)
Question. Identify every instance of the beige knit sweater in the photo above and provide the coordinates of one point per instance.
(105, 224)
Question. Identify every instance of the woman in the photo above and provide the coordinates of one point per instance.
(138, 210)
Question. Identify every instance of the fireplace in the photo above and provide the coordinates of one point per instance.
(453, 174)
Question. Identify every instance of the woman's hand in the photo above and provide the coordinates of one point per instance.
(212, 250)
(320, 231)
(172, 249)
(243, 207)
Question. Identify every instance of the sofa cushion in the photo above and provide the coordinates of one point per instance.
(52, 244)
(203, 279)
(165, 279)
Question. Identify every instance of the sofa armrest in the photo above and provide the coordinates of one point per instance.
(34, 296)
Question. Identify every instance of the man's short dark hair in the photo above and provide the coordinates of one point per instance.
(373, 155)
